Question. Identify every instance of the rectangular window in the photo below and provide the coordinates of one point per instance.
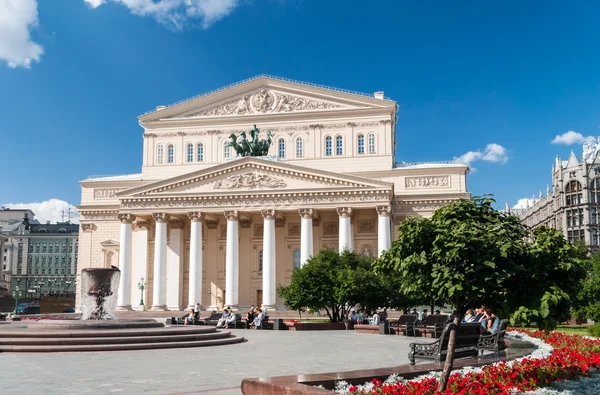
(581, 222)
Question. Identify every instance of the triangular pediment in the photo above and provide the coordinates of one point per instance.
(109, 243)
(267, 95)
(251, 176)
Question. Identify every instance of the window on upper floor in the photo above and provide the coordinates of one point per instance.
(200, 152)
(190, 152)
(595, 191)
(575, 235)
(281, 148)
(595, 237)
(226, 150)
(573, 195)
(339, 145)
(595, 215)
(371, 143)
(361, 144)
(575, 217)
(297, 262)
(299, 147)
(160, 153)
(170, 153)
(328, 146)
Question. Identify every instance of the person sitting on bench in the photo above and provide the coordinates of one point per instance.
(258, 320)
(230, 318)
(374, 320)
(221, 322)
(189, 320)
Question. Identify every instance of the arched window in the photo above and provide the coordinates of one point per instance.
(361, 144)
(281, 148)
(260, 261)
(190, 152)
(328, 146)
(299, 147)
(296, 259)
(339, 145)
(160, 151)
(226, 150)
(371, 143)
(170, 153)
(573, 193)
(200, 152)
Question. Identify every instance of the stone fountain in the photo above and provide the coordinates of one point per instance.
(99, 293)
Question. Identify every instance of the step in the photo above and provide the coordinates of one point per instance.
(169, 330)
(122, 347)
(112, 340)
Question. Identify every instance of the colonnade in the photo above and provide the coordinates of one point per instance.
(164, 297)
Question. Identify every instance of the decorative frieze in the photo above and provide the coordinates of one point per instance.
(250, 180)
(427, 182)
(366, 226)
(106, 193)
(294, 229)
(99, 215)
(331, 228)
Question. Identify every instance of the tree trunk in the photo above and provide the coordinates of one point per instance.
(450, 354)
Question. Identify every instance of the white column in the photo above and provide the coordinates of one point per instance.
(124, 292)
(175, 266)
(195, 286)
(140, 263)
(268, 273)
(9, 260)
(345, 229)
(306, 234)
(159, 285)
(232, 260)
(384, 230)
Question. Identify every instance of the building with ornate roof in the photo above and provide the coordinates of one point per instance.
(572, 205)
(200, 225)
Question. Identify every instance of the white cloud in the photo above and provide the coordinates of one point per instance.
(492, 153)
(17, 17)
(571, 137)
(49, 210)
(524, 203)
(177, 13)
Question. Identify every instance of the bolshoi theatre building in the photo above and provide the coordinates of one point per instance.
(201, 225)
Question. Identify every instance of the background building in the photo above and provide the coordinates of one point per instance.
(573, 203)
(10, 220)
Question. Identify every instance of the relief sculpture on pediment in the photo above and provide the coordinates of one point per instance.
(427, 182)
(250, 180)
(265, 101)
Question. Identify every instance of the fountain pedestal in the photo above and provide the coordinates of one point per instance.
(98, 293)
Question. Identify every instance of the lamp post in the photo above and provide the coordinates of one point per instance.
(16, 294)
(50, 283)
(41, 288)
(67, 286)
(141, 287)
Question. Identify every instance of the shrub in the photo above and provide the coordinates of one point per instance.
(594, 330)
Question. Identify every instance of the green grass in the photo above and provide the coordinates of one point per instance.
(573, 329)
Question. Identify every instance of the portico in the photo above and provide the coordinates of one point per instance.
(203, 226)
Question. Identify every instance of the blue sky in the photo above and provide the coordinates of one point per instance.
(510, 76)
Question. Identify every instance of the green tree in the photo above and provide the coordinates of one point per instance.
(588, 297)
(334, 282)
(466, 254)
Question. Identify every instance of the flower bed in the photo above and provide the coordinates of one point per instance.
(559, 357)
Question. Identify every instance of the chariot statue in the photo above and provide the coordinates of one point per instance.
(252, 146)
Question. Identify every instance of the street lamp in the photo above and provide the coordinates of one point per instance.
(67, 286)
(141, 287)
(41, 288)
(50, 283)
(16, 294)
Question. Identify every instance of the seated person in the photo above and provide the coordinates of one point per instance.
(189, 319)
(353, 317)
(374, 320)
(487, 322)
(258, 320)
(469, 317)
(249, 317)
(221, 322)
(361, 317)
(383, 315)
(479, 314)
(495, 324)
(230, 319)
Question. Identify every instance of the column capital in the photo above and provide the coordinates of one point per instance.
(306, 213)
(268, 214)
(160, 217)
(141, 224)
(344, 212)
(85, 228)
(176, 223)
(232, 215)
(384, 211)
(126, 218)
(196, 216)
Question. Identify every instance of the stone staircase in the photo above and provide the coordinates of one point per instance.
(42, 339)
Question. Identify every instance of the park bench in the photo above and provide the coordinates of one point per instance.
(212, 320)
(405, 323)
(433, 325)
(467, 337)
(495, 341)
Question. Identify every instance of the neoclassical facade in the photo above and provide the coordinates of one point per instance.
(200, 225)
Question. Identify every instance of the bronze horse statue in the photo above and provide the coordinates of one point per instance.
(252, 146)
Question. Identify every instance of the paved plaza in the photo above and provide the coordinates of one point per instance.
(206, 370)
